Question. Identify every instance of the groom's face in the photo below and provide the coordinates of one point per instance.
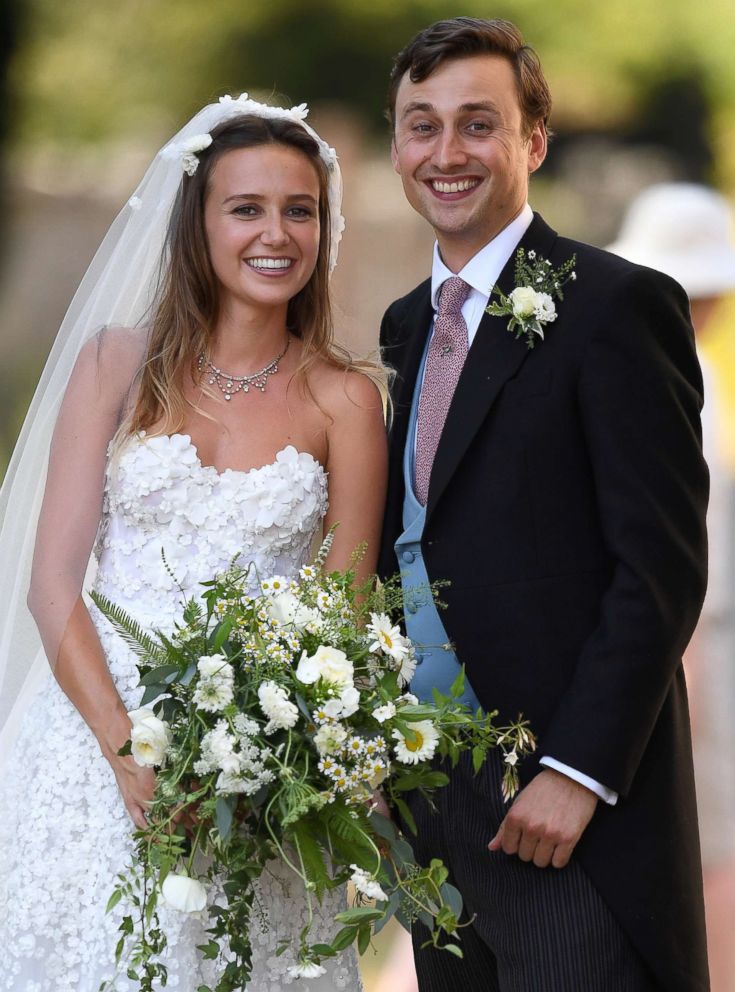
(462, 152)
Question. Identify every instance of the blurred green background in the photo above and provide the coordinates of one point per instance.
(644, 90)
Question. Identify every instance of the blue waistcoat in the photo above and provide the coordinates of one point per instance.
(437, 664)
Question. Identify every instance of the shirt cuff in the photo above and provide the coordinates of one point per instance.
(602, 791)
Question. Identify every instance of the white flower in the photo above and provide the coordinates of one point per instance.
(383, 713)
(326, 663)
(408, 699)
(349, 700)
(184, 893)
(216, 686)
(510, 758)
(212, 696)
(545, 308)
(245, 726)
(215, 666)
(329, 738)
(523, 301)
(274, 702)
(355, 745)
(306, 969)
(421, 747)
(288, 610)
(406, 668)
(387, 637)
(375, 771)
(197, 143)
(366, 884)
(218, 746)
(150, 738)
(186, 151)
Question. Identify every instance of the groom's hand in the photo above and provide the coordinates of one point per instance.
(546, 821)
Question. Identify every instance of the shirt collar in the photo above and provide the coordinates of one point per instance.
(484, 268)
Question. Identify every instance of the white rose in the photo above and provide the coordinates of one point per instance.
(285, 608)
(327, 663)
(523, 301)
(184, 893)
(150, 737)
(545, 309)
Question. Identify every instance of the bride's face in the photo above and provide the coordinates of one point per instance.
(262, 222)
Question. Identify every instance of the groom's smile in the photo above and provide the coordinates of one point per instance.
(463, 152)
(453, 187)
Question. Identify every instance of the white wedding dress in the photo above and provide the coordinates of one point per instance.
(64, 832)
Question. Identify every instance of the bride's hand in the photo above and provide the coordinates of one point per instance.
(136, 783)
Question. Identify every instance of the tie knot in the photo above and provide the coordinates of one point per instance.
(451, 297)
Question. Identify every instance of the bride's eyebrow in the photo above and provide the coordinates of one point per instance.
(292, 197)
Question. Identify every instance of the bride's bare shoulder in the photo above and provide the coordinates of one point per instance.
(339, 389)
(114, 356)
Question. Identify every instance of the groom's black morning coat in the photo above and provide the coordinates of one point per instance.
(566, 508)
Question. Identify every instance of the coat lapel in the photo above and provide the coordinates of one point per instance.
(494, 357)
(404, 355)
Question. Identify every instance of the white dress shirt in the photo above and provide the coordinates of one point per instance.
(481, 273)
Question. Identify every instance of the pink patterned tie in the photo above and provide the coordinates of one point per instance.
(447, 353)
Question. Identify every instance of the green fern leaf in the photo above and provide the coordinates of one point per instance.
(129, 629)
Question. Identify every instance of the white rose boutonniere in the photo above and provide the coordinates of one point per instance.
(530, 305)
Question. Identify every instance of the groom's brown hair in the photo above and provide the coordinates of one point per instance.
(463, 37)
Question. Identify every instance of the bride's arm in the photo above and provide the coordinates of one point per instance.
(88, 418)
(358, 467)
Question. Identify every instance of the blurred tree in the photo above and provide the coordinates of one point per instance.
(10, 21)
(93, 68)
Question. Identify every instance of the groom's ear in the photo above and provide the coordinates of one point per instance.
(394, 155)
(537, 147)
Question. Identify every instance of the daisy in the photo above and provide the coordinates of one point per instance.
(421, 747)
(387, 637)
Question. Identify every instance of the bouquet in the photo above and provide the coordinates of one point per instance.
(273, 712)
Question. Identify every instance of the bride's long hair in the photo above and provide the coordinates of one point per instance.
(186, 306)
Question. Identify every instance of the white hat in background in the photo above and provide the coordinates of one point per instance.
(684, 230)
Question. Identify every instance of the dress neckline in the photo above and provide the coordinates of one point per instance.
(143, 438)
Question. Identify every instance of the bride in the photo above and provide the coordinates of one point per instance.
(210, 417)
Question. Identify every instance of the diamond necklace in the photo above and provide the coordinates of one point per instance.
(231, 384)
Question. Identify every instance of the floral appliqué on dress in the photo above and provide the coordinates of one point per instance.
(64, 831)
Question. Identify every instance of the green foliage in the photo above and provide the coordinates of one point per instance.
(129, 629)
(305, 768)
(88, 69)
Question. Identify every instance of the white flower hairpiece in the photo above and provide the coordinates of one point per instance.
(187, 149)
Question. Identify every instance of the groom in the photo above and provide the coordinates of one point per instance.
(561, 490)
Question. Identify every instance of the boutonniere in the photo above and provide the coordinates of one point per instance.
(531, 305)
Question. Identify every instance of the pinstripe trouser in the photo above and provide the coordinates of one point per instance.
(533, 929)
